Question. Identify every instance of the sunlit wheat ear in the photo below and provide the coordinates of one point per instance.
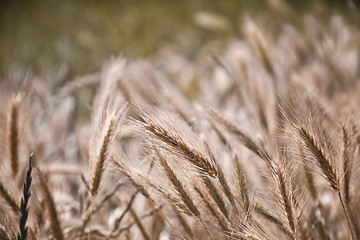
(23, 229)
(102, 155)
(55, 225)
(325, 164)
(319, 155)
(108, 110)
(221, 177)
(216, 196)
(13, 135)
(275, 169)
(257, 39)
(213, 210)
(177, 185)
(285, 199)
(171, 140)
(164, 192)
(242, 184)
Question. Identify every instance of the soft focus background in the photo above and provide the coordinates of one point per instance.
(59, 40)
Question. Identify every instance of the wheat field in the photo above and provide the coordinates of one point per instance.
(259, 142)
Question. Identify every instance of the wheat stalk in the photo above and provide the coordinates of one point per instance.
(139, 223)
(51, 208)
(127, 208)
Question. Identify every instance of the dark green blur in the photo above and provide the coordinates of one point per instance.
(63, 39)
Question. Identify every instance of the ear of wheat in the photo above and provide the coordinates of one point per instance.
(23, 229)
(260, 141)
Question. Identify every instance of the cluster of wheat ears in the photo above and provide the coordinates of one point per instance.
(260, 142)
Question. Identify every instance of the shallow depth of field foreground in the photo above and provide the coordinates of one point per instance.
(260, 141)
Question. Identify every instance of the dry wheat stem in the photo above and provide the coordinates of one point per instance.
(140, 224)
(347, 214)
(96, 208)
(127, 208)
(127, 227)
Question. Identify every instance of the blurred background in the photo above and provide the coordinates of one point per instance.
(59, 40)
